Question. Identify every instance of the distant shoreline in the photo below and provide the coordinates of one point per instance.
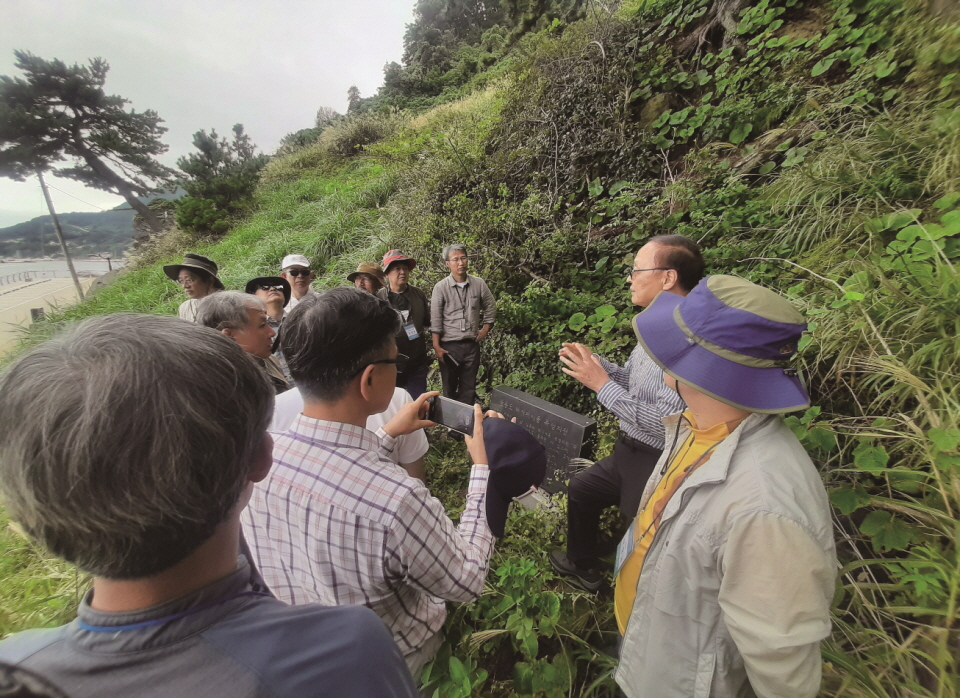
(13, 272)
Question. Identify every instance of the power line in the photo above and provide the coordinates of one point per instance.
(75, 197)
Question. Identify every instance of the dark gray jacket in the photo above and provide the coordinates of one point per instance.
(228, 639)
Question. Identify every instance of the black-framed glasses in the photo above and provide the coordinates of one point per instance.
(637, 271)
(270, 287)
(400, 360)
(298, 272)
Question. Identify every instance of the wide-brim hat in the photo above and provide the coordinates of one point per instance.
(272, 281)
(517, 462)
(394, 256)
(730, 339)
(194, 261)
(368, 268)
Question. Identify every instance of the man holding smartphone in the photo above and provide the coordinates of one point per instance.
(337, 519)
(462, 311)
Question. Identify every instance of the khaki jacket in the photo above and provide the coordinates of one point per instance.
(735, 591)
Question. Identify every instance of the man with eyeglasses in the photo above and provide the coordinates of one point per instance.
(337, 520)
(636, 394)
(295, 268)
(462, 311)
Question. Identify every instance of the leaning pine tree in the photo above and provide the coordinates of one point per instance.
(58, 112)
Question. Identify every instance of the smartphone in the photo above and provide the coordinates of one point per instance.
(448, 357)
(452, 414)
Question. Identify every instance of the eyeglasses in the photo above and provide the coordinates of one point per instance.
(187, 280)
(400, 361)
(268, 287)
(455, 260)
(637, 271)
(298, 272)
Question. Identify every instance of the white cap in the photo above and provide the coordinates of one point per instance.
(294, 260)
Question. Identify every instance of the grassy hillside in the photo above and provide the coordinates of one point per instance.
(810, 146)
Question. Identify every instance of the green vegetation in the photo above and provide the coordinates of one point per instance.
(58, 112)
(810, 145)
(219, 180)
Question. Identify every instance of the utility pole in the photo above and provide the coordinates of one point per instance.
(56, 226)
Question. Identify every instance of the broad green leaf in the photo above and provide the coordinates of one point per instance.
(601, 263)
(662, 119)
(945, 439)
(885, 68)
(577, 321)
(767, 167)
(848, 499)
(947, 201)
(595, 187)
(740, 133)
(822, 438)
(887, 532)
(946, 461)
(457, 671)
(867, 456)
(951, 222)
(911, 232)
(605, 310)
(822, 66)
(618, 187)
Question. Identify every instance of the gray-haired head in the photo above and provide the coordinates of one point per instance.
(450, 249)
(329, 337)
(227, 310)
(141, 437)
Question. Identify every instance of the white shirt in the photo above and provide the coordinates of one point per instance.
(408, 448)
(188, 310)
(292, 303)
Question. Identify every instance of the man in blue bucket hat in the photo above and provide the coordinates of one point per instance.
(724, 581)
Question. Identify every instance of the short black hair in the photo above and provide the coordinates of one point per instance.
(329, 337)
(682, 255)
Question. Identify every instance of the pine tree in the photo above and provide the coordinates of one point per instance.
(219, 179)
(58, 112)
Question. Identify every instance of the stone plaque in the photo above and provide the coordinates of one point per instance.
(561, 431)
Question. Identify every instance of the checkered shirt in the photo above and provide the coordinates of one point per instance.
(337, 522)
(637, 394)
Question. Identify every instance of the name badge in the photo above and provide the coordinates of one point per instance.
(411, 331)
(624, 549)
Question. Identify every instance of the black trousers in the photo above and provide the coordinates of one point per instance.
(618, 479)
(460, 382)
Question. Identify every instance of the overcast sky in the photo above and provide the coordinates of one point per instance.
(205, 64)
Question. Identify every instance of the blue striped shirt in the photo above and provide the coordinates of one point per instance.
(637, 394)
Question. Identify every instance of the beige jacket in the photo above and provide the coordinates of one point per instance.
(735, 591)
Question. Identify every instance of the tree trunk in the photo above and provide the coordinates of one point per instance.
(56, 226)
(118, 183)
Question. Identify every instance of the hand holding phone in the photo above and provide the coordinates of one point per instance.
(410, 417)
(451, 414)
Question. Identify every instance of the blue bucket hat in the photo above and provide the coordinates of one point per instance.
(730, 339)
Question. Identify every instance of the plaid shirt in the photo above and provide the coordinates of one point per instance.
(337, 522)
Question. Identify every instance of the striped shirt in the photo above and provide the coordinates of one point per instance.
(637, 394)
(337, 522)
